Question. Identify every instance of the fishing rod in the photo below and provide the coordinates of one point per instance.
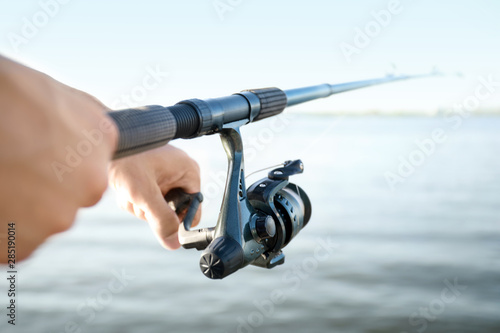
(254, 224)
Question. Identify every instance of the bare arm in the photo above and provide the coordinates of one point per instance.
(55, 143)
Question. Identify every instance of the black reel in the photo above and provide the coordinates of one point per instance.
(254, 225)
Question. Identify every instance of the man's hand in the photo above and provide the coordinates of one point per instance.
(55, 144)
(143, 180)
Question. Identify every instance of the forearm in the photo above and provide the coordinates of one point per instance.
(41, 121)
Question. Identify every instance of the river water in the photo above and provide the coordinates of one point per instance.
(418, 254)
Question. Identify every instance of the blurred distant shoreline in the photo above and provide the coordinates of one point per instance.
(391, 113)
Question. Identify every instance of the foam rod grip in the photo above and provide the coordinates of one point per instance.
(142, 129)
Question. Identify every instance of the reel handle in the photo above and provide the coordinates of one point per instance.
(181, 201)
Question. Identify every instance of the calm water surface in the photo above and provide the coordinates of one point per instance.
(422, 257)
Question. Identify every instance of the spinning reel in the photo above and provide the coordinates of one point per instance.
(254, 224)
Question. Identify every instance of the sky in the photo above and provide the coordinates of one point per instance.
(132, 53)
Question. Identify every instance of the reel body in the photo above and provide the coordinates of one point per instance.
(254, 225)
